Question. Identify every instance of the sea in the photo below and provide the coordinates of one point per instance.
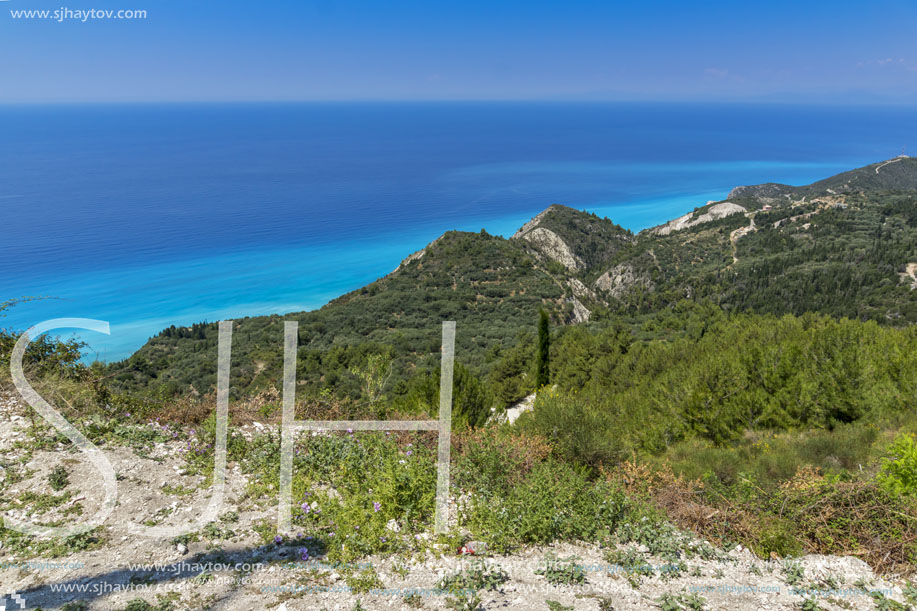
(147, 216)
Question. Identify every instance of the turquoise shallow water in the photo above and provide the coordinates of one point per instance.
(152, 216)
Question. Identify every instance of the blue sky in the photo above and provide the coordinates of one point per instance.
(192, 50)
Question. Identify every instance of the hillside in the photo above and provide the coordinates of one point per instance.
(488, 284)
(841, 246)
(579, 241)
(898, 173)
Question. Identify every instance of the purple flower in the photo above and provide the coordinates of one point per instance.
(377, 506)
(304, 553)
(278, 539)
(409, 452)
(350, 431)
(305, 508)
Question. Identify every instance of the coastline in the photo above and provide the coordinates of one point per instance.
(258, 281)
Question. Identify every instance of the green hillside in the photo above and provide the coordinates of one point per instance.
(899, 173)
(839, 247)
(489, 285)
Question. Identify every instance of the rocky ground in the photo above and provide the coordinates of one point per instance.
(227, 565)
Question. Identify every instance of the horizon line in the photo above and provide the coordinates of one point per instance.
(766, 101)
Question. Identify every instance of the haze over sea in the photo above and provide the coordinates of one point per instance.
(148, 216)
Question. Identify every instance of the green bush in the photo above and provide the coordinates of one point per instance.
(555, 501)
(477, 577)
(776, 536)
(579, 429)
(349, 488)
(770, 458)
(898, 474)
(58, 478)
(562, 571)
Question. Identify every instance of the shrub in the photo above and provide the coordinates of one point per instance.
(632, 563)
(363, 581)
(579, 429)
(357, 494)
(565, 571)
(468, 601)
(793, 573)
(477, 577)
(811, 513)
(555, 501)
(681, 602)
(495, 461)
(898, 474)
(58, 478)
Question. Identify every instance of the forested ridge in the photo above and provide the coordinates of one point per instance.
(839, 247)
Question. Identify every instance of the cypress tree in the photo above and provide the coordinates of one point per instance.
(542, 358)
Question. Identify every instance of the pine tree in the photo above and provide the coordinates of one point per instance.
(542, 359)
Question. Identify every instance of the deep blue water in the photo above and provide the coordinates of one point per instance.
(148, 216)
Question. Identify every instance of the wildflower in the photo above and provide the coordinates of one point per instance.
(350, 431)
(278, 539)
(377, 506)
(409, 452)
(305, 508)
(304, 553)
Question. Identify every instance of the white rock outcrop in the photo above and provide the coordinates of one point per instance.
(550, 245)
(713, 213)
(580, 312)
(620, 279)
